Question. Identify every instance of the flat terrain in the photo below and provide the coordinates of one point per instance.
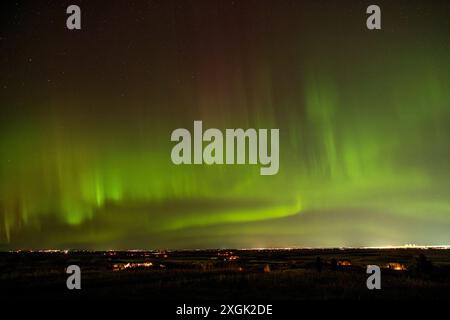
(213, 275)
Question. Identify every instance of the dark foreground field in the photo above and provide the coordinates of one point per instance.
(208, 275)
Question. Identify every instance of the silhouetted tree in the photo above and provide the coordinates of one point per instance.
(423, 265)
(333, 264)
(319, 264)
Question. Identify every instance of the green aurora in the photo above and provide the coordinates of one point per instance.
(86, 118)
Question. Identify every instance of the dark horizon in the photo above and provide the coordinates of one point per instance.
(201, 276)
(405, 247)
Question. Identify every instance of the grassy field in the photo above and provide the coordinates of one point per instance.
(208, 275)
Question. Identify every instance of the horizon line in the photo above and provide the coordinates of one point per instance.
(408, 246)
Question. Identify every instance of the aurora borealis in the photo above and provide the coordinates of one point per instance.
(86, 118)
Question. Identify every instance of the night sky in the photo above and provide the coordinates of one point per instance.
(86, 118)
